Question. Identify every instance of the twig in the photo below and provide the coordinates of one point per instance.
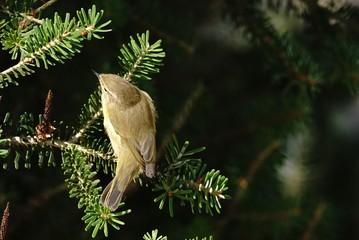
(244, 182)
(258, 161)
(253, 168)
(4, 222)
(181, 117)
(313, 222)
(169, 38)
(277, 215)
(32, 19)
(80, 133)
(45, 5)
(273, 45)
(34, 141)
(30, 59)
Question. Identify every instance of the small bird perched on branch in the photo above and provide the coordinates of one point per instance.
(129, 120)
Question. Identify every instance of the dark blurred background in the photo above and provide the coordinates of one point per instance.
(244, 117)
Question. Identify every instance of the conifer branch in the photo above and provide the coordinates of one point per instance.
(184, 177)
(31, 141)
(154, 236)
(181, 176)
(197, 238)
(52, 41)
(32, 19)
(81, 132)
(90, 118)
(313, 222)
(284, 48)
(244, 182)
(45, 5)
(79, 173)
(181, 117)
(140, 59)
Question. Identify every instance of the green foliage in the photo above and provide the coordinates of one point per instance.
(19, 143)
(183, 177)
(83, 149)
(210, 238)
(89, 125)
(90, 118)
(287, 58)
(18, 6)
(298, 61)
(153, 236)
(52, 40)
(83, 187)
(140, 59)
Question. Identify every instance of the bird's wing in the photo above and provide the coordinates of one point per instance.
(148, 148)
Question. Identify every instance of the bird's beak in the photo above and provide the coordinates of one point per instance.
(97, 75)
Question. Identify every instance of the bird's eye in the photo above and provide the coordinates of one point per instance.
(105, 89)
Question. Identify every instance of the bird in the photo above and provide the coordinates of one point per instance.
(129, 120)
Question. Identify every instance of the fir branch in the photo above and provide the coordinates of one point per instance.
(32, 19)
(184, 177)
(244, 182)
(186, 47)
(90, 122)
(45, 5)
(153, 236)
(286, 214)
(314, 220)
(86, 190)
(31, 141)
(140, 59)
(11, 7)
(181, 117)
(258, 162)
(90, 118)
(210, 238)
(53, 41)
(25, 141)
(291, 57)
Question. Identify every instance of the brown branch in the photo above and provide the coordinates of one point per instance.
(244, 182)
(4, 222)
(181, 118)
(169, 38)
(34, 141)
(258, 161)
(278, 215)
(31, 19)
(45, 5)
(272, 44)
(314, 221)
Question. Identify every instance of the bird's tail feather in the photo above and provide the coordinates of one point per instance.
(112, 195)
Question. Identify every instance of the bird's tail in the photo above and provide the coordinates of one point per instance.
(112, 195)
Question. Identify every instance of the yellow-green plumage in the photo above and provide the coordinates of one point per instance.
(129, 120)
